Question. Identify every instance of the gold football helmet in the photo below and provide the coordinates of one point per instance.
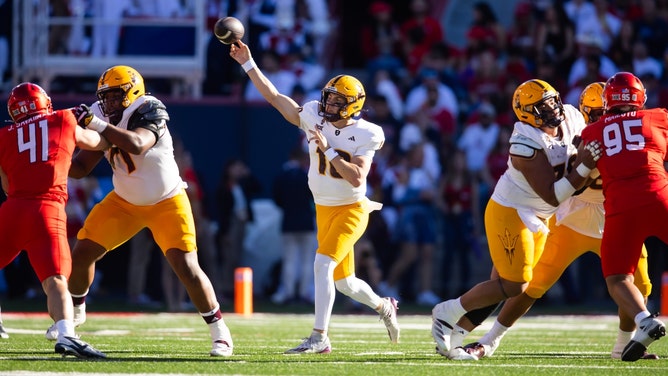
(537, 103)
(123, 78)
(348, 87)
(591, 102)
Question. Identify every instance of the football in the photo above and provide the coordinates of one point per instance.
(228, 30)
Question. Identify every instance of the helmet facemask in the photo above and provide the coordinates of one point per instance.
(335, 102)
(549, 112)
(112, 102)
(117, 89)
(343, 94)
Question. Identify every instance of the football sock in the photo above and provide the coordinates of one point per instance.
(457, 336)
(79, 299)
(496, 332)
(325, 293)
(641, 316)
(65, 328)
(622, 339)
(213, 315)
(360, 291)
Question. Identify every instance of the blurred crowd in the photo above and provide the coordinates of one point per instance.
(445, 108)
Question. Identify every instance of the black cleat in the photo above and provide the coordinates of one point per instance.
(649, 330)
(78, 348)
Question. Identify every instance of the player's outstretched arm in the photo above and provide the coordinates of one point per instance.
(284, 104)
(90, 140)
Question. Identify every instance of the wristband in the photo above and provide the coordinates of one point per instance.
(331, 154)
(563, 189)
(250, 64)
(583, 170)
(96, 124)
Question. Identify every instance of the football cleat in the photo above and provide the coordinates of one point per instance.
(649, 330)
(312, 346)
(3, 332)
(52, 333)
(222, 339)
(76, 347)
(645, 356)
(443, 321)
(389, 316)
(459, 353)
(221, 348)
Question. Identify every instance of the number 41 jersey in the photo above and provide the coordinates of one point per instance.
(634, 149)
(36, 155)
(362, 138)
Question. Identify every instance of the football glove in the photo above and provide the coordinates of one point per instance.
(87, 119)
(594, 148)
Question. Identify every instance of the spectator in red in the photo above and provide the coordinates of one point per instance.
(419, 33)
(381, 40)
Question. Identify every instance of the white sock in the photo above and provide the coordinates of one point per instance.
(622, 339)
(325, 293)
(456, 306)
(496, 333)
(65, 329)
(318, 336)
(360, 291)
(642, 315)
(457, 336)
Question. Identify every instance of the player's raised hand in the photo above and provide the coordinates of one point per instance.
(83, 114)
(240, 52)
(87, 119)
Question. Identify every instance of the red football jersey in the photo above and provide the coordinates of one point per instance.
(634, 150)
(36, 155)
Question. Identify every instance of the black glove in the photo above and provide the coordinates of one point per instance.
(83, 114)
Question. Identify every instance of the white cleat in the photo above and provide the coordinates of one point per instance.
(52, 333)
(312, 346)
(389, 316)
(222, 339)
(443, 321)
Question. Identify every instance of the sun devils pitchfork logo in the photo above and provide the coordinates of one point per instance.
(509, 242)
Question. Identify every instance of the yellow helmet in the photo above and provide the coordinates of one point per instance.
(123, 78)
(591, 102)
(348, 87)
(529, 102)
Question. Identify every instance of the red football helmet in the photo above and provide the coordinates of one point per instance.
(624, 89)
(27, 99)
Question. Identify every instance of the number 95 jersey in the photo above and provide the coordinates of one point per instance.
(634, 148)
(362, 138)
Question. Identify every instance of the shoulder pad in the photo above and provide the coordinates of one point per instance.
(521, 150)
(518, 138)
(153, 110)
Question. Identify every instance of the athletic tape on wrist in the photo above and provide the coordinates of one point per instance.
(331, 154)
(250, 64)
(583, 170)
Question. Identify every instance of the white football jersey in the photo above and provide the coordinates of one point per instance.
(513, 189)
(584, 213)
(359, 139)
(148, 178)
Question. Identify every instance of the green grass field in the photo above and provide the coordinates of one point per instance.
(161, 343)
